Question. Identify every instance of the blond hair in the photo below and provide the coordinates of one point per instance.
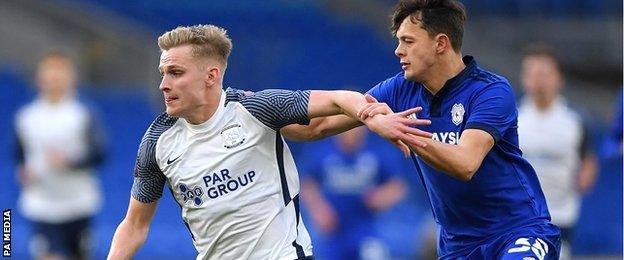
(207, 40)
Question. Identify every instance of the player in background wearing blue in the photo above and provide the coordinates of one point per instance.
(485, 197)
(345, 182)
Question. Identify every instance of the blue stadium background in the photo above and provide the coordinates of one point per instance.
(279, 44)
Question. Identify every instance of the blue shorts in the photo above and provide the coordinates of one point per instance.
(535, 243)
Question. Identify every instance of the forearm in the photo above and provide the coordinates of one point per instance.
(320, 128)
(311, 195)
(587, 173)
(127, 240)
(454, 160)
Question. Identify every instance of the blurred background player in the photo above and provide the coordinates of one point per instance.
(58, 145)
(346, 183)
(554, 139)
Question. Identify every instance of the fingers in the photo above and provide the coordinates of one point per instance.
(404, 148)
(362, 114)
(372, 109)
(412, 140)
(415, 122)
(410, 111)
(416, 132)
(370, 99)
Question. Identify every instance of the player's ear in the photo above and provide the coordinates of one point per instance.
(442, 42)
(212, 75)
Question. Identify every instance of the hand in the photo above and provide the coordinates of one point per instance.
(397, 127)
(58, 160)
(24, 175)
(373, 108)
(325, 219)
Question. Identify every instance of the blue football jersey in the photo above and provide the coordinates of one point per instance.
(504, 195)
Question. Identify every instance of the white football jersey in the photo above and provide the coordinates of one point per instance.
(233, 176)
(553, 141)
(58, 195)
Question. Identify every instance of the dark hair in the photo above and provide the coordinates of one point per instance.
(435, 16)
(541, 49)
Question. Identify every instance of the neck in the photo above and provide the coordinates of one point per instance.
(447, 67)
(55, 98)
(544, 103)
(205, 111)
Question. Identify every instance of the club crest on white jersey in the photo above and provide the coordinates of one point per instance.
(232, 136)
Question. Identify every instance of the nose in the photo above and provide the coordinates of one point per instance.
(399, 51)
(163, 85)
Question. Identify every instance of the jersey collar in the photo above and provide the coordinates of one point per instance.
(451, 84)
(457, 81)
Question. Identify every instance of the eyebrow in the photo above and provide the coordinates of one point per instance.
(172, 66)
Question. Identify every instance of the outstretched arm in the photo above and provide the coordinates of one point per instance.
(320, 127)
(324, 104)
(132, 231)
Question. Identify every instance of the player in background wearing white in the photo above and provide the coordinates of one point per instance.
(554, 140)
(222, 155)
(58, 144)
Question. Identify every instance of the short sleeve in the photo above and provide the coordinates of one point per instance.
(493, 110)
(275, 108)
(149, 181)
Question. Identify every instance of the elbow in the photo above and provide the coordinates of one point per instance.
(466, 172)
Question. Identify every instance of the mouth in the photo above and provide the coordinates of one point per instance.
(404, 65)
(169, 100)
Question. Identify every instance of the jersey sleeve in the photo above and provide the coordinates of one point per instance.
(275, 108)
(493, 110)
(149, 181)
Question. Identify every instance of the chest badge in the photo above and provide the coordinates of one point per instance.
(457, 114)
(232, 136)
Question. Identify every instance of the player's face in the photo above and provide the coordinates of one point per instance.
(183, 81)
(540, 77)
(416, 50)
(55, 77)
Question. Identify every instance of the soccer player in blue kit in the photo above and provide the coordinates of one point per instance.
(485, 197)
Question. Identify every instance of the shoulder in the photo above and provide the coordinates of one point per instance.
(575, 113)
(25, 112)
(235, 95)
(161, 124)
(486, 77)
(489, 83)
(28, 108)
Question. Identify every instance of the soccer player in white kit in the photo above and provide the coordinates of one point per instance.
(59, 145)
(555, 141)
(223, 157)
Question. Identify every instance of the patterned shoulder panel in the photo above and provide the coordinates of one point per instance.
(149, 180)
(275, 108)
